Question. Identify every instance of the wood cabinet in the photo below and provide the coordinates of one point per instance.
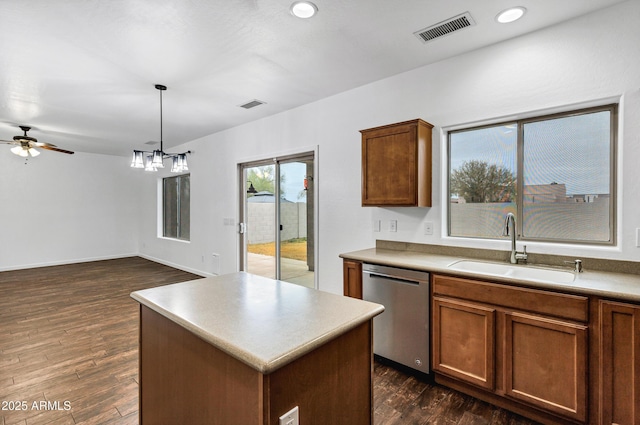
(554, 357)
(396, 165)
(352, 277)
(545, 364)
(529, 347)
(619, 363)
(185, 380)
(464, 341)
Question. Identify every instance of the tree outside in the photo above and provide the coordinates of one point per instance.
(480, 182)
(263, 179)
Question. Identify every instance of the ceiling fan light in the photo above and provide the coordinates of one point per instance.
(138, 160)
(19, 151)
(33, 152)
(158, 157)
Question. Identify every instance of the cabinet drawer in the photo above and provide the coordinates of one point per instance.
(565, 306)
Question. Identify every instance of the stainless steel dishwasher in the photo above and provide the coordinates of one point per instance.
(401, 332)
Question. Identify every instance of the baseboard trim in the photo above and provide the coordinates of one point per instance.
(176, 266)
(65, 262)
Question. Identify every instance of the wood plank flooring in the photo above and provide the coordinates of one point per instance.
(69, 352)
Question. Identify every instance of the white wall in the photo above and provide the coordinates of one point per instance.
(587, 59)
(65, 208)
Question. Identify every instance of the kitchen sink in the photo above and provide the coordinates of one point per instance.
(514, 271)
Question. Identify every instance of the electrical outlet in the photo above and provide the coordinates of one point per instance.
(290, 418)
(393, 225)
(428, 228)
(638, 237)
(376, 225)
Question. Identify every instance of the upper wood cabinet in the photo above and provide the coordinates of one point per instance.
(396, 165)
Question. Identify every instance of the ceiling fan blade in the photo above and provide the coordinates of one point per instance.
(8, 142)
(53, 148)
(43, 145)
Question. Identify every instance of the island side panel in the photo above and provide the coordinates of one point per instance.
(331, 385)
(185, 380)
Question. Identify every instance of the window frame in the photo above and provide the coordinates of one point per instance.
(612, 108)
(179, 231)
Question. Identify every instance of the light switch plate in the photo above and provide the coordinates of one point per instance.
(393, 225)
(290, 418)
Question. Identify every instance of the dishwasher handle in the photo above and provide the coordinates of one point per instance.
(390, 277)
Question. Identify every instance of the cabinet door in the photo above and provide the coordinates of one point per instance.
(464, 341)
(546, 364)
(396, 165)
(352, 278)
(620, 363)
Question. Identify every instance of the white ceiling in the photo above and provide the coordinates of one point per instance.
(82, 72)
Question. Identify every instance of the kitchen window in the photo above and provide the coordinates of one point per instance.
(176, 209)
(555, 173)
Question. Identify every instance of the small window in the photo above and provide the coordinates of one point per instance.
(555, 173)
(176, 207)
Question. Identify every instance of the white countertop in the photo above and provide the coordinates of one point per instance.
(262, 322)
(619, 286)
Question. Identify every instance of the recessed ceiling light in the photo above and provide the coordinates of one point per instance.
(511, 14)
(303, 9)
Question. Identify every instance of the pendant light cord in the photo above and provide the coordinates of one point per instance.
(161, 148)
(161, 88)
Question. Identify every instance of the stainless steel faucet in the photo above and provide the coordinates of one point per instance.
(510, 222)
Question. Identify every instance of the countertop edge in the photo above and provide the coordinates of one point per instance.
(617, 286)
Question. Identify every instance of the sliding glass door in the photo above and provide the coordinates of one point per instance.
(278, 218)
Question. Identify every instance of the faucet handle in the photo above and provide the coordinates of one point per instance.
(577, 265)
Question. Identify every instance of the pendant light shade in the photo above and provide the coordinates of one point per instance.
(148, 164)
(151, 161)
(138, 159)
(179, 163)
(157, 159)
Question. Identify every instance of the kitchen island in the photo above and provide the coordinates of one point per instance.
(244, 349)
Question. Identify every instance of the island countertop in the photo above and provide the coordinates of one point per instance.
(262, 322)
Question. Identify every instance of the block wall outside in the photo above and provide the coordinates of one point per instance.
(261, 221)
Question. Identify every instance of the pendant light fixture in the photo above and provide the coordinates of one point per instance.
(151, 161)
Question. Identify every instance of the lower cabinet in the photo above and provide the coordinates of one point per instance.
(619, 363)
(545, 364)
(464, 341)
(528, 350)
(352, 277)
(514, 344)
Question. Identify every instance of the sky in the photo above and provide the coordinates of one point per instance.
(573, 150)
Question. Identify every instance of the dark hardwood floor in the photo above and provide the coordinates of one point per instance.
(69, 352)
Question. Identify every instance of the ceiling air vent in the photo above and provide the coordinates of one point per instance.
(443, 28)
(252, 104)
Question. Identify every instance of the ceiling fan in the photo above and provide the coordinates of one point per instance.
(25, 145)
